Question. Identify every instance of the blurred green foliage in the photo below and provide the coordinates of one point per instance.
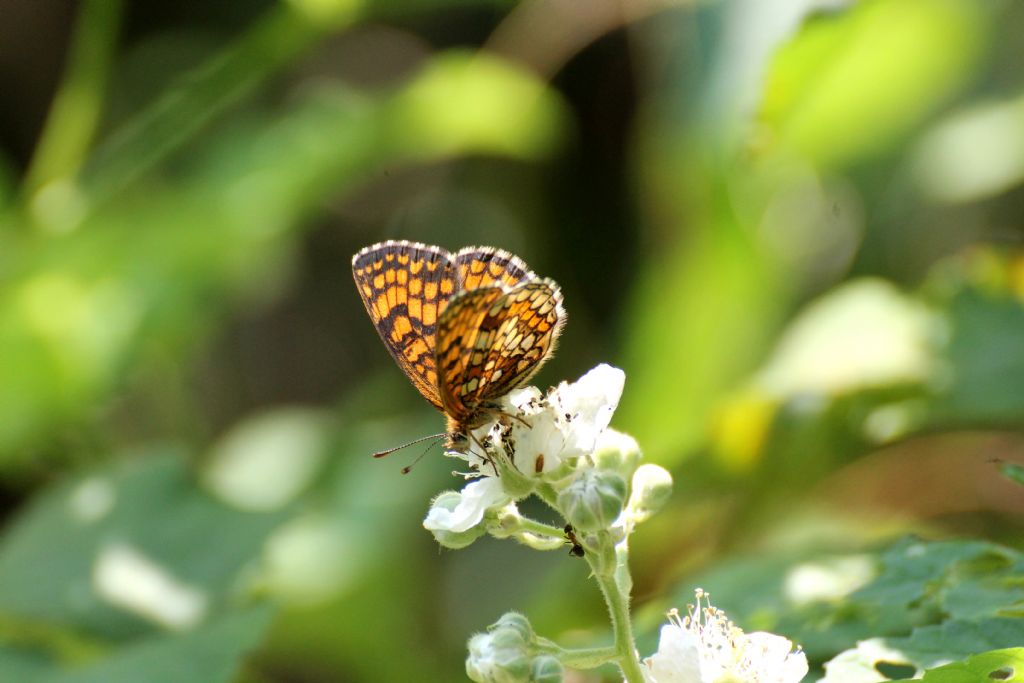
(795, 225)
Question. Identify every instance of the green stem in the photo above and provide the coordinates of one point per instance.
(539, 528)
(607, 565)
(582, 658)
(75, 112)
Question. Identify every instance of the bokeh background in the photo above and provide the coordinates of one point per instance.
(796, 225)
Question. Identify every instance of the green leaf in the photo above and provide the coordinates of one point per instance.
(210, 654)
(998, 665)
(852, 82)
(1013, 472)
(22, 666)
(931, 600)
(932, 645)
(987, 331)
(52, 557)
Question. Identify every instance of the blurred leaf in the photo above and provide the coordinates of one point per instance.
(865, 333)
(266, 461)
(210, 654)
(270, 44)
(975, 154)
(53, 559)
(381, 568)
(459, 103)
(986, 383)
(24, 667)
(934, 645)
(700, 316)
(851, 82)
(1013, 472)
(918, 594)
(866, 364)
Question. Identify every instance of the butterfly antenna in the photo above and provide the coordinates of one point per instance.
(381, 454)
(408, 468)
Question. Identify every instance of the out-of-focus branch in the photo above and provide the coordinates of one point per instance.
(545, 34)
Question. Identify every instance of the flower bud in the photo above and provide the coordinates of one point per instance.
(501, 656)
(618, 452)
(444, 505)
(547, 669)
(593, 500)
(505, 521)
(652, 487)
(516, 622)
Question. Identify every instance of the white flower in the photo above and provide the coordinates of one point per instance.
(547, 430)
(475, 499)
(705, 647)
(536, 434)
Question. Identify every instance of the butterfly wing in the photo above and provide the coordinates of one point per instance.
(405, 287)
(457, 332)
(491, 340)
(483, 266)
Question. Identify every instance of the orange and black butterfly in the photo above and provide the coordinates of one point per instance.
(466, 328)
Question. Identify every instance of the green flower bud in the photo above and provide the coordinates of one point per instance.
(652, 487)
(593, 500)
(454, 540)
(617, 452)
(501, 656)
(516, 622)
(547, 669)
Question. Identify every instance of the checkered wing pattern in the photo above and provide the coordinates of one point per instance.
(493, 339)
(482, 266)
(405, 288)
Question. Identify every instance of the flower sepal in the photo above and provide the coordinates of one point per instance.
(509, 653)
(593, 500)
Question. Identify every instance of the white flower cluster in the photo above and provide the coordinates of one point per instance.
(549, 430)
(536, 437)
(705, 647)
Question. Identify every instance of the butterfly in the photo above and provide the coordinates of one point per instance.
(466, 328)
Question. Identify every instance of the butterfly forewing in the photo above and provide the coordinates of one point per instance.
(491, 340)
(405, 288)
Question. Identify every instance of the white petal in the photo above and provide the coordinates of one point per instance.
(520, 398)
(595, 395)
(477, 498)
(540, 446)
(677, 659)
(772, 658)
(590, 402)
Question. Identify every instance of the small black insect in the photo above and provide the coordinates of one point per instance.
(570, 538)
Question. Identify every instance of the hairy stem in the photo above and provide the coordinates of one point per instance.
(583, 658)
(606, 569)
(609, 563)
